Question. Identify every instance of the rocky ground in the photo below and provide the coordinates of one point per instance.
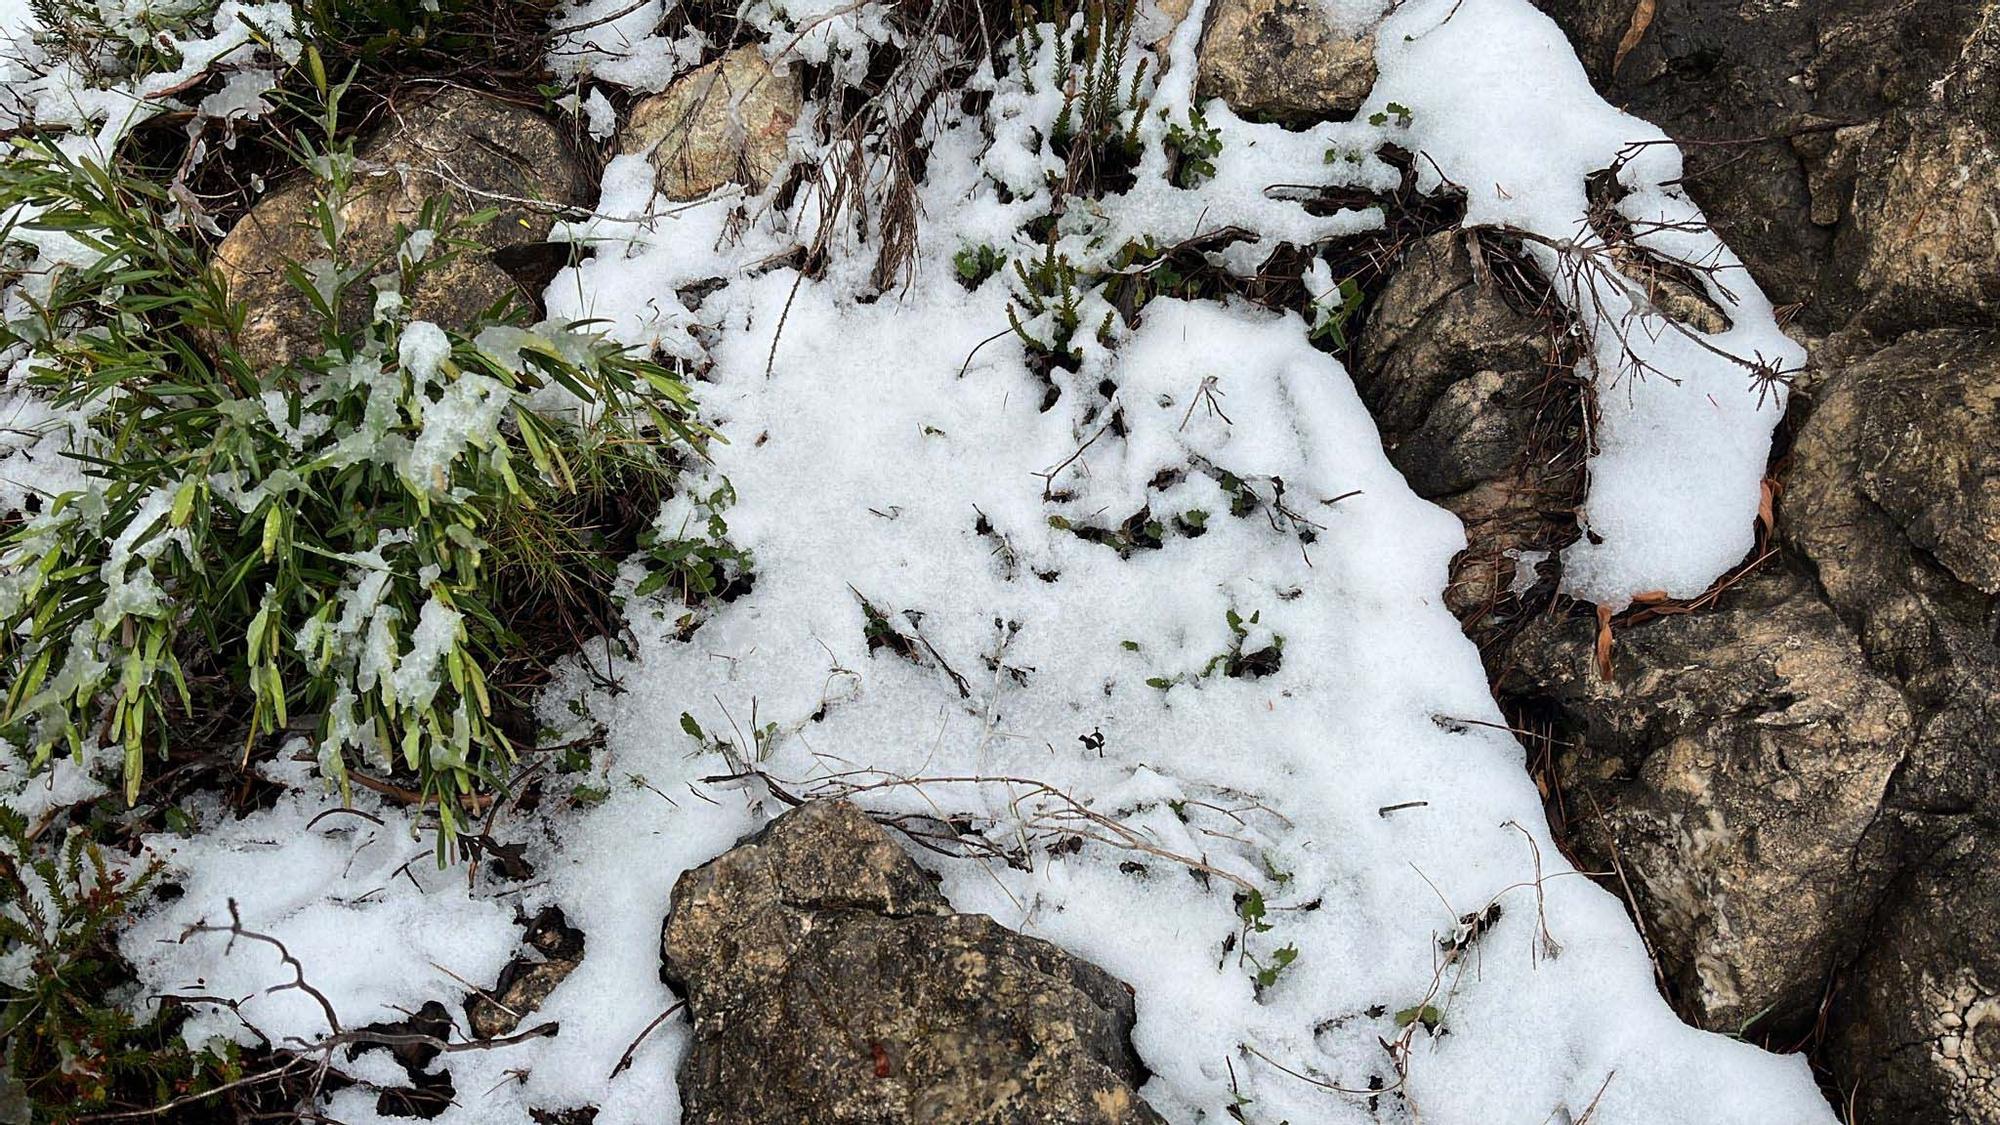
(1789, 779)
(1794, 775)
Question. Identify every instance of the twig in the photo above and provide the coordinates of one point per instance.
(625, 1059)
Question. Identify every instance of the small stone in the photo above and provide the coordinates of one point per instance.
(527, 981)
(726, 122)
(1280, 60)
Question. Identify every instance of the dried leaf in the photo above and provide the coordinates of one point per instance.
(1604, 642)
(1642, 18)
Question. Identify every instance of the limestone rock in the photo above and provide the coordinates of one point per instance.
(1922, 1041)
(1802, 781)
(1735, 764)
(830, 982)
(1920, 251)
(1280, 60)
(726, 122)
(1782, 97)
(484, 152)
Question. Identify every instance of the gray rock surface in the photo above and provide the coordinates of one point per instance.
(1803, 781)
(1922, 1038)
(1459, 382)
(1735, 766)
(830, 982)
(1798, 109)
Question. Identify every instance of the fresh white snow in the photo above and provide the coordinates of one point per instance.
(893, 458)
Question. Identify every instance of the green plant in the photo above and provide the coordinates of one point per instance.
(1425, 1015)
(1050, 288)
(1396, 111)
(328, 524)
(1096, 131)
(977, 263)
(1195, 147)
(1331, 310)
(1268, 971)
(697, 561)
(1236, 664)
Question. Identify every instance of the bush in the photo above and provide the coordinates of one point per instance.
(320, 533)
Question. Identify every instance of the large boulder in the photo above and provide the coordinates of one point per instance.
(1283, 61)
(727, 122)
(830, 982)
(1782, 106)
(478, 151)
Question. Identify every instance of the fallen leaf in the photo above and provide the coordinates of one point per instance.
(1604, 642)
(1642, 18)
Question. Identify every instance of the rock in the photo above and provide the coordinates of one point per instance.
(726, 122)
(1803, 780)
(1779, 96)
(1893, 498)
(1735, 765)
(1434, 324)
(491, 153)
(1921, 1043)
(829, 981)
(1281, 60)
(1920, 249)
(1458, 382)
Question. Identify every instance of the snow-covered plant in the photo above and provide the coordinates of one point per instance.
(317, 534)
(69, 1049)
(1087, 58)
(1332, 304)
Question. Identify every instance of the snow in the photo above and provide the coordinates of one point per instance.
(355, 897)
(1266, 690)
(620, 41)
(16, 17)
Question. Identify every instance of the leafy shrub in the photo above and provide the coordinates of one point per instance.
(323, 533)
